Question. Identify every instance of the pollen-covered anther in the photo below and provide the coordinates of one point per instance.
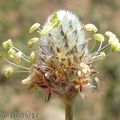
(97, 80)
(7, 44)
(98, 37)
(114, 43)
(85, 68)
(33, 42)
(34, 27)
(27, 80)
(18, 57)
(79, 73)
(32, 57)
(46, 74)
(12, 53)
(9, 71)
(90, 27)
(109, 33)
(102, 55)
(34, 77)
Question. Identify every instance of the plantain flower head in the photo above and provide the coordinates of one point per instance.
(66, 64)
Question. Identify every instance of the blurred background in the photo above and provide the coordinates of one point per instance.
(16, 16)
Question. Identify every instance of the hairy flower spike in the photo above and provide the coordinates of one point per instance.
(65, 60)
(66, 66)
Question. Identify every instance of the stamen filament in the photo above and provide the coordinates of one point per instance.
(96, 53)
(21, 52)
(21, 71)
(16, 64)
(103, 47)
(92, 46)
(25, 59)
(99, 48)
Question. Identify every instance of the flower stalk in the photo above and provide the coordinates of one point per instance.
(69, 110)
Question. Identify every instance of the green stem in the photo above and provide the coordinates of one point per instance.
(69, 110)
